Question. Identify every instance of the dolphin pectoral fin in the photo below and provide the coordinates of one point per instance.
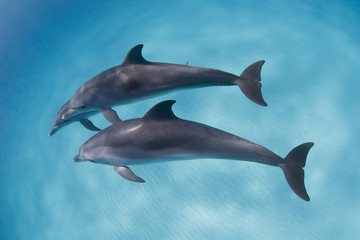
(126, 173)
(111, 115)
(249, 83)
(89, 125)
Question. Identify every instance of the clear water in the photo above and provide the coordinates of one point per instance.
(48, 49)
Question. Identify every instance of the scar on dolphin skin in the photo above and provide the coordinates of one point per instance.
(136, 79)
(160, 136)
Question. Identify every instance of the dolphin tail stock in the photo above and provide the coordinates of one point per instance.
(293, 166)
(249, 83)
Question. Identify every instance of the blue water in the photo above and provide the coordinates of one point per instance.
(48, 49)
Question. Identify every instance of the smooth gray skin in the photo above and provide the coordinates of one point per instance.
(137, 79)
(160, 136)
(82, 117)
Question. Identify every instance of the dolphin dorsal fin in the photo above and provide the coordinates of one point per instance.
(134, 56)
(161, 111)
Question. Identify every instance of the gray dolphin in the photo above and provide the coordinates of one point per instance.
(160, 136)
(136, 79)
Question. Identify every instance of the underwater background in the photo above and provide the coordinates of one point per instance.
(310, 79)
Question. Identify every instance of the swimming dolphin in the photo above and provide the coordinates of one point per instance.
(136, 79)
(160, 136)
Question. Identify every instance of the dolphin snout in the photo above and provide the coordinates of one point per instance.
(53, 130)
(78, 158)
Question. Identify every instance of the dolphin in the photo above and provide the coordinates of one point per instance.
(137, 78)
(160, 136)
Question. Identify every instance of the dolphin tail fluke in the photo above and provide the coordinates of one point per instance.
(293, 169)
(249, 83)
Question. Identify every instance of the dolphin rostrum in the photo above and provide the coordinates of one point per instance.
(160, 136)
(137, 79)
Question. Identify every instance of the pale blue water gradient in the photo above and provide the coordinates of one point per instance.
(48, 49)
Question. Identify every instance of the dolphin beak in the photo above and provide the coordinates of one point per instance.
(53, 130)
(79, 159)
